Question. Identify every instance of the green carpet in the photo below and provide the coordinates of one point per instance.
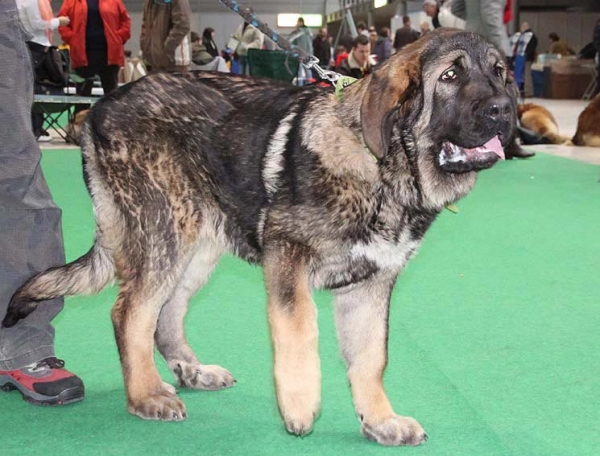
(494, 340)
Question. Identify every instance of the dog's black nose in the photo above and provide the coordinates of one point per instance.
(499, 109)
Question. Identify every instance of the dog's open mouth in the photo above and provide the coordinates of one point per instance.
(454, 158)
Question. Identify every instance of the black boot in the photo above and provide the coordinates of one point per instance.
(514, 150)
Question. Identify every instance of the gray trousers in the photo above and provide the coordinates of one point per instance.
(30, 228)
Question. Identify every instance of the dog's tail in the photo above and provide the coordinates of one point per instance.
(556, 138)
(87, 275)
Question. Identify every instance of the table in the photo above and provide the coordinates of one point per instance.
(54, 106)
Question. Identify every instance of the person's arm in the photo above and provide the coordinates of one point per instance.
(459, 9)
(180, 18)
(34, 15)
(124, 30)
(258, 40)
(66, 31)
(492, 16)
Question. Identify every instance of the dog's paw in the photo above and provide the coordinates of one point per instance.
(169, 388)
(205, 377)
(163, 407)
(299, 410)
(300, 423)
(395, 431)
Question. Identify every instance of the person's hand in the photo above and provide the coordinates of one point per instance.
(63, 21)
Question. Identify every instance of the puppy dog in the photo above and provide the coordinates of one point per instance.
(541, 121)
(321, 191)
(588, 125)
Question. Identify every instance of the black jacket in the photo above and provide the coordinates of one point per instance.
(322, 51)
(356, 73)
(405, 35)
(211, 47)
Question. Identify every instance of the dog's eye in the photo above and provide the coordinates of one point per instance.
(499, 70)
(449, 75)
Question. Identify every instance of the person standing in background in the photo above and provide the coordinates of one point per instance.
(432, 9)
(405, 35)
(248, 37)
(164, 38)
(39, 21)
(485, 17)
(383, 46)
(524, 55)
(96, 37)
(357, 64)
(30, 233)
(302, 38)
(322, 48)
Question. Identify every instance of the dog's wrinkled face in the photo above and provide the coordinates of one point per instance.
(449, 98)
(473, 114)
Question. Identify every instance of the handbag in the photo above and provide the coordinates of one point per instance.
(52, 68)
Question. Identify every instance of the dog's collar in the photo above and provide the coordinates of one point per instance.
(341, 84)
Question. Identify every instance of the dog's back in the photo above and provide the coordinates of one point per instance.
(588, 125)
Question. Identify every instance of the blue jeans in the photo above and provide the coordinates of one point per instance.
(243, 65)
(30, 226)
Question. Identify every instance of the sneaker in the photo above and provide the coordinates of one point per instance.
(44, 383)
(44, 138)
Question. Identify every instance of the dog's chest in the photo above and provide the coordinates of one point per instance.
(362, 260)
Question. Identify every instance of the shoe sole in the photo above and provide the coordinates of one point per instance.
(68, 396)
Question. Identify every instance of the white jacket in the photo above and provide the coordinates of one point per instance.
(251, 38)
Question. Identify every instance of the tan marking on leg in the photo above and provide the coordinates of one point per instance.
(361, 320)
(294, 333)
(135, 315)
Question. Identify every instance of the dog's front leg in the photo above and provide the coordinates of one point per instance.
(362, 325)
(294, 333)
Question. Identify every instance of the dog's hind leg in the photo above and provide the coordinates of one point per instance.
(362, 326)
(170, 336)
(135, 317)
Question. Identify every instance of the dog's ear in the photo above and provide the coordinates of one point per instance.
(387, 89)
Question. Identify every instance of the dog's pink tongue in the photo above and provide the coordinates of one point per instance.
(493, 145)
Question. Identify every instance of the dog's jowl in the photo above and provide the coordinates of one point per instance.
(321, 192)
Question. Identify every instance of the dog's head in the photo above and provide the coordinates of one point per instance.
(446, 103)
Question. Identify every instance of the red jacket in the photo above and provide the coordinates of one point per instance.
(117, 28)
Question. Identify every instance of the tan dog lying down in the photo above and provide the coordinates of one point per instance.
(588, 125)
(541, 121)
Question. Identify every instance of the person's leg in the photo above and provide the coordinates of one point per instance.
(243, 62)
(84, 89)
(30, 223)
(109, 77)
(37, 118)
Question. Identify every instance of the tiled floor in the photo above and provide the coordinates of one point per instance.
(566, 113)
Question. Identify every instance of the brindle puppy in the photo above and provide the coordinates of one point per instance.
(323, 193)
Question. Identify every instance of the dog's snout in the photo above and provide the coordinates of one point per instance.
(499, 109)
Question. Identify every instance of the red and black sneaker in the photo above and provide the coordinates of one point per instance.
(44, 383)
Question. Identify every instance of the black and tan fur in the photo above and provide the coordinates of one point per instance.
(323, 193)
(588, 125)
